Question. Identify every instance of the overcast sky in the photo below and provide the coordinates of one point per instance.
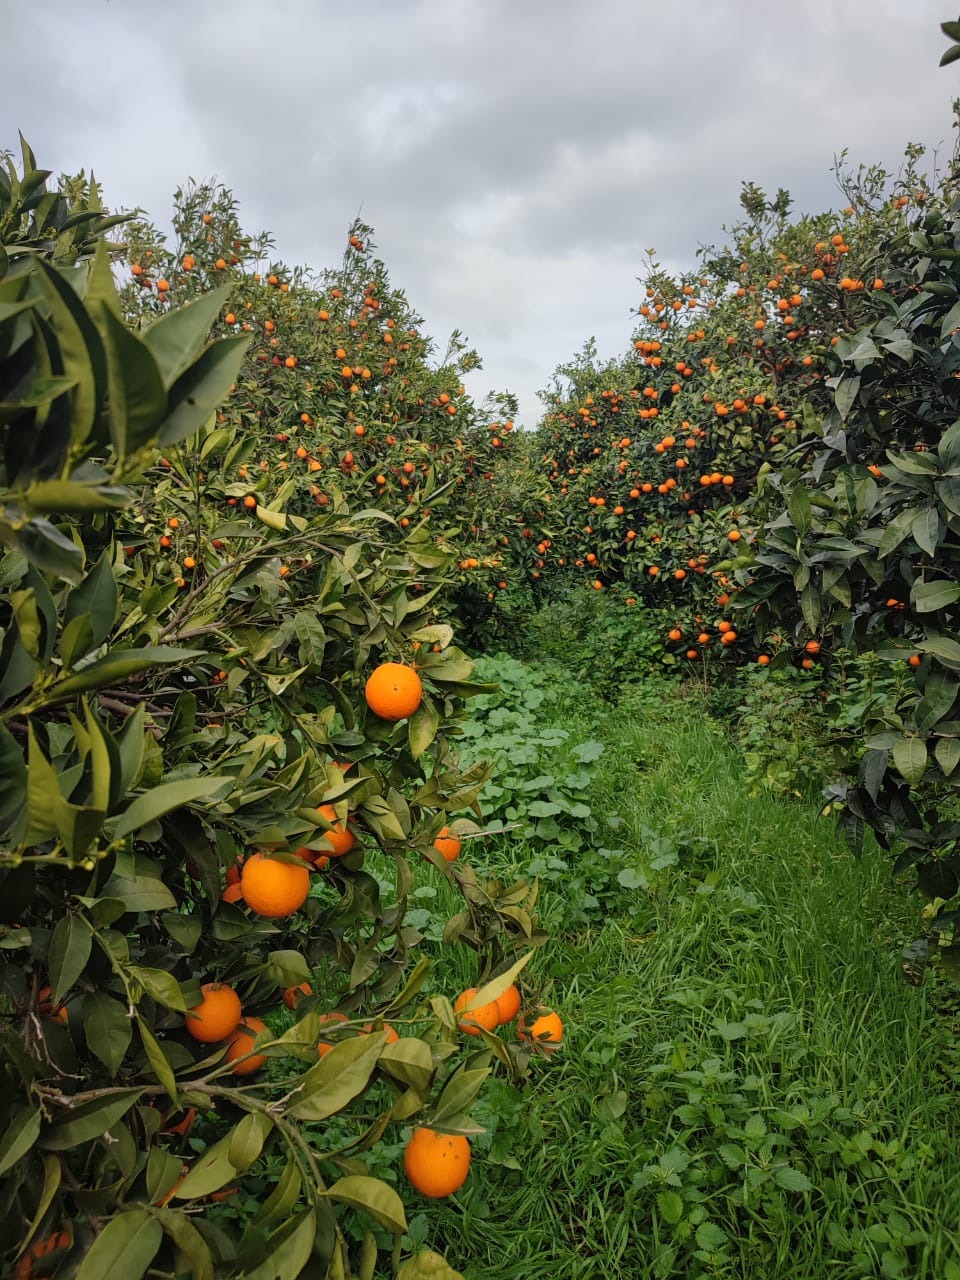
(515, 157)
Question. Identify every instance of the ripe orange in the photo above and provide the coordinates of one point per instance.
(392, 1035)
(341, 839)
(232, 893)
(508, 1005)
(217, 1015)
(447, 845)
(486, 1016)
(273, 888)
(293, 995)
(393, 691)
(437, 1163)
(330, 1020)
(241, 1042)
(545, 1029)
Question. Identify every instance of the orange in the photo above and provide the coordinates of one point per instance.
(217, 1015)
(393, 691)
(241, 1042)
(486, 1016)
(545, 1029)
(232, 893)
(273, 888)
(341, 839)
(447, 845)
(392, 1036)
(326, 1019)
(508, 1005)
(293, 995)
(437, 1163)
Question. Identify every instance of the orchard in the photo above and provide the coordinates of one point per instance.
(430, 847)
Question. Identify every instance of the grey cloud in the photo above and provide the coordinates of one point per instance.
(515, 158)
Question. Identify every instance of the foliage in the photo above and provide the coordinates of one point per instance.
(181, 684)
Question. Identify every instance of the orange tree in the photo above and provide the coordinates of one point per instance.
(206, 801)
(341, 386)
(857, 542)
(654, 457)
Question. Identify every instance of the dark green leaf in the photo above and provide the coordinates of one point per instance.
(197, 392)
(928, 597)
(137, 401)
(117, 666)
(177, 338)
(161, 800)
(124, 1247)
(73, 1127)
(96, 597)
(19, 1136)
(107, 1028)
(69, 952)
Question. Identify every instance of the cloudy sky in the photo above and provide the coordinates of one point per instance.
(516, 157)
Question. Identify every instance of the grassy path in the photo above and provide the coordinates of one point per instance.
(748, 1088)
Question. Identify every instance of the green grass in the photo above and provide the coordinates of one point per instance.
(747, 1088)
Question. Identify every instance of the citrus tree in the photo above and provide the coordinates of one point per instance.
(226, 712)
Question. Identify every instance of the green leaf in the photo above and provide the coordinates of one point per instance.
(176, 338)
(289, 1250)
(427, 1265)
(951, 55)
(137, 398)
(90, 1120)
(159, 985)
(792, 1179)
(95, 597)
(50, 550)
(19, 1137)
(947, 752)
(337, 1078)
(247, 1139)
(926, 530)
(44, 800)
(282, 1199)
(422, 728)
(845, 395)
(810, 606)
(188, 1240)
(458, 1094)
(373, 1195)
(710, 1237)
(157, 1059)
(13, 775)
(107, 1028)
(168, 796)
(942, 647)
(910, 758)
(409, 1060)
(198, 391)
(81, 351)
(928, 597)
(142, 893)
(670, 1205)
(895, 532)
(798, 505)
(124, 1247)
(287, 968)
(69, 952)
(117, 666)
(212, 1171)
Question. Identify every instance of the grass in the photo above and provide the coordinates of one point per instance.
(747, 1088)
